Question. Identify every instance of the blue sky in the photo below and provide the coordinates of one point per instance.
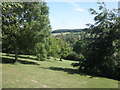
(73, 15)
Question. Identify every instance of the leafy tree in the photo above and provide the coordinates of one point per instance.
(65, 49)
(24, 25)
(58, 48)
(98, 47)
(41, 51)
(10, 26)
(54, 47)
(70, 38)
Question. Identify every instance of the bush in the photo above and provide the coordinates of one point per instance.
(74, 57)
(40, 51)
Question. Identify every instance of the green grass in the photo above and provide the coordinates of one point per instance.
(63, 33)
(48, 74)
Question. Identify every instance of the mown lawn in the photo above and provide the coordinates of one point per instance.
(29, 73)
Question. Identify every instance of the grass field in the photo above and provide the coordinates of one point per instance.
(63, 33)
(29, 73)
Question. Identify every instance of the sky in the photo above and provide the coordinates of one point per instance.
(73, 15)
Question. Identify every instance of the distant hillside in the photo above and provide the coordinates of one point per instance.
(67, 30)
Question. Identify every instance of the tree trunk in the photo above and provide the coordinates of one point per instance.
(60, 59)
(16, 55)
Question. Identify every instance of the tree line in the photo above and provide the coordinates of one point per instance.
(67, 30)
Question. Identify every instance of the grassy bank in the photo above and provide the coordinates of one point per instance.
(48, 74)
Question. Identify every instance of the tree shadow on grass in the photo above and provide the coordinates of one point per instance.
(11, 61)
(68, 70)
(28, 57)
(24, 57)
(71, 71)
(76, 71)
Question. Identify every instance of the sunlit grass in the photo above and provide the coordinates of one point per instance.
(49, 74)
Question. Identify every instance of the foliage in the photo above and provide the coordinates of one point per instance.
(67, 30)
(70, 40)
(98, 45)
(24, 25)
(73, 57)
(54, 47)
(65, 49)
(58, 47)
(40, 51)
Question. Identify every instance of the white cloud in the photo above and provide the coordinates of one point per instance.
(76, 6)
(73, 4)
(79, 9)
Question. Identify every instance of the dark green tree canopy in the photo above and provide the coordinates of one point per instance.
(24, 25)
(100, 44)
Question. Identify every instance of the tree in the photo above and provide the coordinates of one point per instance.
(70, 38)
(65, 49)
(10, 27)
(58, 48)
(98, 47)
(24, 25)
(54, 47)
